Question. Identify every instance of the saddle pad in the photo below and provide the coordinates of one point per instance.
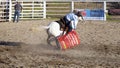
(69, 40)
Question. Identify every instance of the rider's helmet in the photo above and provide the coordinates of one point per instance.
(77, 12)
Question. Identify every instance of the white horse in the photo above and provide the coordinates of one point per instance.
(53, 31)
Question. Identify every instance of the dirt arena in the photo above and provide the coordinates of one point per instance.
(21, 47)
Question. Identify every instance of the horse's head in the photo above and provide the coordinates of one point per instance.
(80, 16)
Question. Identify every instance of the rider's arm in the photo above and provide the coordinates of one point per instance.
(74, 22)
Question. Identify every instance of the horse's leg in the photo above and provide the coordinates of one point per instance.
(57, 43)
(48, 38)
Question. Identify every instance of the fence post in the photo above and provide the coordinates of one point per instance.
(32, 9)
(44, 9)
(72, 6)
(10, 10)
(104, 10)
(22, 10)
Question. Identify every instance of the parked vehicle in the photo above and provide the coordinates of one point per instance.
(114, 11)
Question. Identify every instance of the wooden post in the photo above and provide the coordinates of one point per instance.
(104, 10)
(44, 9)
(22, 10)
(32, 9)
(10, 10)
(72, 6)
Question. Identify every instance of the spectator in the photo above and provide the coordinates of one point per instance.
(18, 9)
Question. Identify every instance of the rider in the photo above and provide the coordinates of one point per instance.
(70, 20)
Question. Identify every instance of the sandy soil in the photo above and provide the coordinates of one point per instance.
(22, 48)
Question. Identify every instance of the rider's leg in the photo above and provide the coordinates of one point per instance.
(69, 29)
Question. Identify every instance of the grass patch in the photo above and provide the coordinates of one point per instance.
(112, 19)
(108, 17)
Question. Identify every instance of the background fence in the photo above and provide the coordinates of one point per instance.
(58, 9)
(44, 9)
(31, 10)
(4, 11)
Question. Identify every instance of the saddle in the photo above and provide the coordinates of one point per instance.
(63, 25)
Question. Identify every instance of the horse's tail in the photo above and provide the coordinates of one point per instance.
(39, 28)
(46, 27)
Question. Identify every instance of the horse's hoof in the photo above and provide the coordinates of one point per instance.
(48, 42)
(58, 45)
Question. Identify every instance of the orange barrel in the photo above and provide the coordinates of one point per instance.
(69, 40)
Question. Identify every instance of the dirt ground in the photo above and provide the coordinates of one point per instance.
(20, 47)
